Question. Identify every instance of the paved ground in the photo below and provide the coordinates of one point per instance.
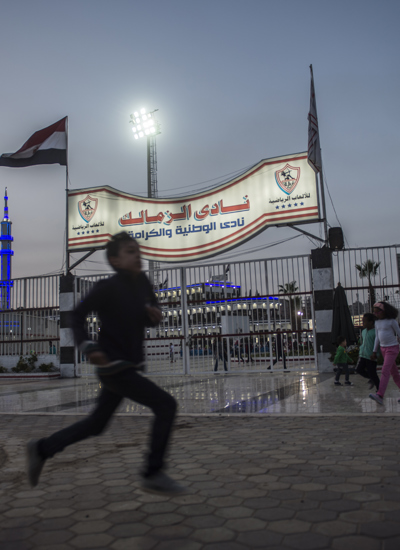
(276, 481)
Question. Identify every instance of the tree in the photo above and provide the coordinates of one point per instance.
(294, 302)
(367, 270)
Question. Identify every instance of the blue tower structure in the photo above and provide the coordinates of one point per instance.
(5, 257)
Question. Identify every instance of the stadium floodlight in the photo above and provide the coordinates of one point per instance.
(144, 124)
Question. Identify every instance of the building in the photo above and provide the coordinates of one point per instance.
(217, 307)
(6, 254)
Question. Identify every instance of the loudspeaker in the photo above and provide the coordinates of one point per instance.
(336, 241)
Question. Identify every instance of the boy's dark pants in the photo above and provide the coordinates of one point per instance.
(114, 388)
(342, 367)
(367, 369)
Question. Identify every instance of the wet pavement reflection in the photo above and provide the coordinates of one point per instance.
(264, 393)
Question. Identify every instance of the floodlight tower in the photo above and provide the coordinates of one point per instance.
(5, 257)
(145, 125)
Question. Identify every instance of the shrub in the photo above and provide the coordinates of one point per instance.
(25, 364)
(3, 370)
(47, 367)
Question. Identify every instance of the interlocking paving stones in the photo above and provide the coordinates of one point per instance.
(270, 481)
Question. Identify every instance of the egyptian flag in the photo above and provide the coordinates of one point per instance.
(47, 146)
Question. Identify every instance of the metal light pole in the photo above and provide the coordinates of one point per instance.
(145, 125)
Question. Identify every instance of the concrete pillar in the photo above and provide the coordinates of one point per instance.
(322, 278)
(68, 367)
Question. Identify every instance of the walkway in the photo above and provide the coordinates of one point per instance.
(270, 461)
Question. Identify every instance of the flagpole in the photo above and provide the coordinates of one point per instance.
(317, 156)
(66, 207)
(321, 183)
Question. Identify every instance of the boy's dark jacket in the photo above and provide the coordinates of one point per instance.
(120, 303)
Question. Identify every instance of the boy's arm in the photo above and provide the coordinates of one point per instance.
(336, 359)
(376, 346)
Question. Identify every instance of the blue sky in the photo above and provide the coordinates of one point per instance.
(231, 82)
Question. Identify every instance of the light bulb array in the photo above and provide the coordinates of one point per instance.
(144, 124)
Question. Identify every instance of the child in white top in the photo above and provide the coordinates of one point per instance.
(387, 332)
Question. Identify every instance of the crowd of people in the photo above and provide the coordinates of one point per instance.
(380, 336)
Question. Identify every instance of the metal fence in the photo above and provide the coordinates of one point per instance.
(234, 312)
(31, 323)
(368, 275)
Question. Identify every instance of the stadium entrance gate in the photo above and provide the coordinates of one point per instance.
(231, 311)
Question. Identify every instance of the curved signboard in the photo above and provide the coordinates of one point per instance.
(277, 191)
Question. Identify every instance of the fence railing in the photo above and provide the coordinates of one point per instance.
(368, 275)
(243, 304)
(238, 305)
(31, 322)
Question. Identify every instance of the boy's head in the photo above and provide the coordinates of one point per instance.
(123, 253)
(368, 320)
(341, 341)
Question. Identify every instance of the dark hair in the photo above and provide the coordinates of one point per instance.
(390, 311)
(114, 244)
(340, 339)
(370, 317)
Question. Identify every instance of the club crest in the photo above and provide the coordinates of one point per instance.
(287, 178)
(87, 208)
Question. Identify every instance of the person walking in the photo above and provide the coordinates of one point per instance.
(366, 367)
(219, 353)
(280, 348)
(238, 350)
(126, 304)
(341, 360)
(387, 333)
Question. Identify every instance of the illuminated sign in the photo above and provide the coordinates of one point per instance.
(274, 192)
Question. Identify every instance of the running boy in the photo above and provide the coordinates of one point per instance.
(125, 304)
(341, 360)
(366, 367)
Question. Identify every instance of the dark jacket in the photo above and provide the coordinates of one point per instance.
(120, 304)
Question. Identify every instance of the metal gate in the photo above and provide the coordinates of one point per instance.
(368, 275)
(30, 323)
(250, 316)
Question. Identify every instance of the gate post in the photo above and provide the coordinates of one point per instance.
(67, 346)
(185, 324)
(322, 281)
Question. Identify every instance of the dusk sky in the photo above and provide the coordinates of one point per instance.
(231, 81)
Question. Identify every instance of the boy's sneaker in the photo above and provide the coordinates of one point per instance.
(161, 484)
(338, 383)
(348, 383)
(34, 462)
(376, 397)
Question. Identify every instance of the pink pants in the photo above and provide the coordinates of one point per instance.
(389, 367)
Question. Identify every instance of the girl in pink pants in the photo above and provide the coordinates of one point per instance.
(387, 333)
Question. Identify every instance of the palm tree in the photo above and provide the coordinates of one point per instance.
(294, 302)
(369, 269)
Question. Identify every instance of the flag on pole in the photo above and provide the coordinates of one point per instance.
(314, 148)
(47, 146)
(165, 282)
(227, 269)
